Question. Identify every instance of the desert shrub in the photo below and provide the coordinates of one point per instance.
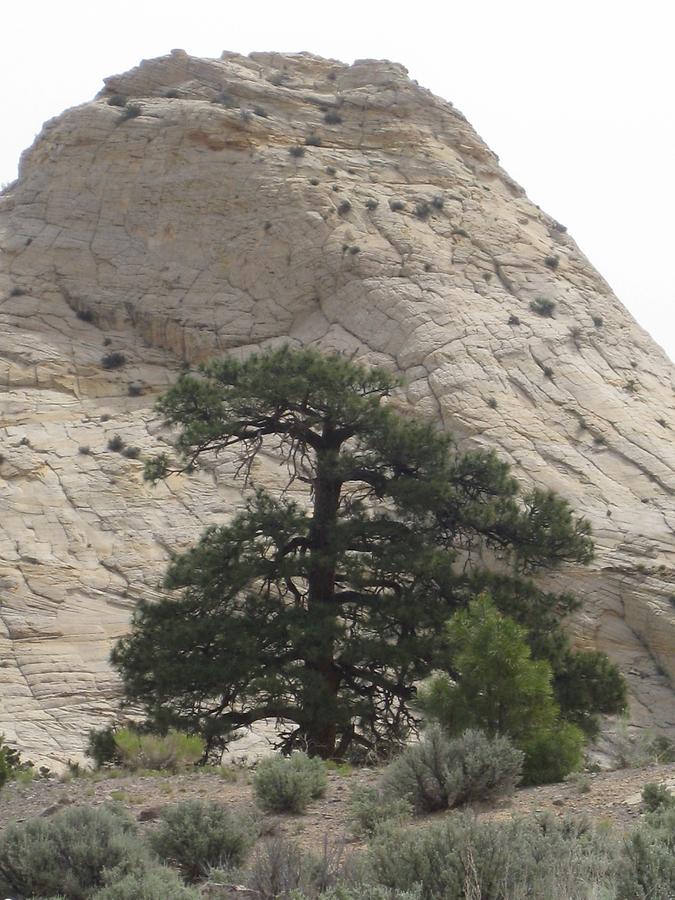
(4, 769)
(117, 100)
(259, 111)
(196, 834)
(224, 98)
(462, 858)
(422, 209)
(130, 111)
(331, 170)
(113, 360)
(370, 808)
(287, 784)
(135, 388)
(647, 866)
(344, 207)
(10, 761)
(437, 201)
(656, 796)
(396, 205)
(371, 204)
(598, 321)
(332, 118)
(581, 781)
(116, 443)
(156, 883)
(543, 307)
(368, 892)
(73, 852)
(86, 315)
(297, 151)
(172, 94)
(662, 748)
(548, 372)
(173, 750)
(513, 320)
(492, 402)
(440, 772)
(279, 869)
(131, 452)
(552, 262)
(313, 140)
(553, 753)
(101, 747)
(84, 449)
(17, 292)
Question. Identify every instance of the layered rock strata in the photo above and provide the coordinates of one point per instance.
(230, 204)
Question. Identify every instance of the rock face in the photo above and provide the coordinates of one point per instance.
(244, 201)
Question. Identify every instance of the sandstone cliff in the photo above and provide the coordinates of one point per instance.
(184, 224)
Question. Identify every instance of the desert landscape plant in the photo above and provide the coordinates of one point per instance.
(326, 615)
(287, 784)
(173, 750)
(73, 852)
(441, 772)
(196, 834)
(543, 307)
(494, 684)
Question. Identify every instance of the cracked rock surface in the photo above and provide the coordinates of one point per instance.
(231, 204)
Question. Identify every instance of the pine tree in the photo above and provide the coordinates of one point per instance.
(500, 689)
(327, 611)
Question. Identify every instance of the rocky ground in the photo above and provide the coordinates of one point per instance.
(607, 796)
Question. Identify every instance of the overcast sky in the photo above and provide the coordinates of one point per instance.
(575, 97)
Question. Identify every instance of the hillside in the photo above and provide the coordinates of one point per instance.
(229, 204)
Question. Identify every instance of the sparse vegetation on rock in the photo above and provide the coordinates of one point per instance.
(543, 307)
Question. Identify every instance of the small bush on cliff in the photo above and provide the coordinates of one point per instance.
(287, 784)
(130, 111)
(543, 307)
(113, 360)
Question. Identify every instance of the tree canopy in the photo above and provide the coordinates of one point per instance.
(325, 611)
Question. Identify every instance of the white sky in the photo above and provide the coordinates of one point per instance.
(575, 97)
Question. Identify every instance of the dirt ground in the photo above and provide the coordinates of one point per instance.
(608, 796)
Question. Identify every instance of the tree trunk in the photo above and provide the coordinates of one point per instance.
(324, 681)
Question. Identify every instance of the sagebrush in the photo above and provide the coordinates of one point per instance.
(287, 784)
